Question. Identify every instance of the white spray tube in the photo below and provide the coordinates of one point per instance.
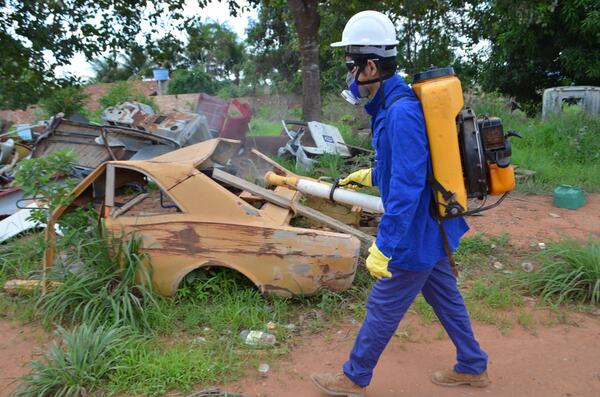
(323, 190)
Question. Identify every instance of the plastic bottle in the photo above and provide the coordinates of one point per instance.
(257, 338)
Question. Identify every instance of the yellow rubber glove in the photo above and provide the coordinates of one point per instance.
(362, 177)
(377, 263)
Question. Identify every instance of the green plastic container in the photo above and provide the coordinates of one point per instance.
(567, 196)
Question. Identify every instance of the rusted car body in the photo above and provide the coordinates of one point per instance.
(187, 220)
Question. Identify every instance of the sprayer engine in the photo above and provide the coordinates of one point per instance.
(485, 149)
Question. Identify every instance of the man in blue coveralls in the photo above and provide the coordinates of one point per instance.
(408, 256)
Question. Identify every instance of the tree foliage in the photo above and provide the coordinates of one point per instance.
(538, 44)
(186, 81)
(30, 29)
(214, 46)
(121, 92)
(273, 47)
(515, 47)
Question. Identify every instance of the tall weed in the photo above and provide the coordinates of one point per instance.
(77, 364)
(105, 283)
(569, 272)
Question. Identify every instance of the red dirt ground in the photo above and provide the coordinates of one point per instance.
(530, 219)
(19, 345)
(560, 361)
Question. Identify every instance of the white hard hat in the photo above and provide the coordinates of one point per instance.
(370, 32)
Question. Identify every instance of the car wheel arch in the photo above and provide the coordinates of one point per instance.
(214, 264)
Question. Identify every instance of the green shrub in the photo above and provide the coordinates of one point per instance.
(78, 364)
(67, 100)
(111, 285)
(45, 179)
(192, 81)
(123, 92)
(569, 272)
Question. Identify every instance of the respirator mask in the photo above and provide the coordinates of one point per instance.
(355, 93)
(356, 90)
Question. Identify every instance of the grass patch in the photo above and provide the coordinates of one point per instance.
(76, 365)
(496, 293)
(153, 369)
(474, 252)
(569, 272)
(260, 127)
(487, 315)
(226, 302)
(22, 257)
(527, 321)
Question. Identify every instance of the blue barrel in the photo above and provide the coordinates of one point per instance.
(161, 74)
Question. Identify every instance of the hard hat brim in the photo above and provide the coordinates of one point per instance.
(338, 44)
(347, 43)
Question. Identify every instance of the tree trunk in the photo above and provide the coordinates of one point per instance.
(307, 20)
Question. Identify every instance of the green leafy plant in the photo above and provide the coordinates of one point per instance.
(46, 180)
(123, 92)
(76, 365)
(569, 272)
(104, 282)
(67, 100)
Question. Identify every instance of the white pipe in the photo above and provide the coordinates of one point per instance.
(323, 190)
(344, 196)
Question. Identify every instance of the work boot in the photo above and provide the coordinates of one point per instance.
(337, 385)
(453, 378)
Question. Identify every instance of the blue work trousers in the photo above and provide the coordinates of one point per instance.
(391, 297)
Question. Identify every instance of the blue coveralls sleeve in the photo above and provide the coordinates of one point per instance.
(408, 159)
(374, 176)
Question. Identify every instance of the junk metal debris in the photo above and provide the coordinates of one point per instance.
(18, 223)
(199, 207)
(305, 141)
(182, 127)
(132, 131)
(226, 119)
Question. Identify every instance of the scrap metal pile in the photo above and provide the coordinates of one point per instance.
(211, 204)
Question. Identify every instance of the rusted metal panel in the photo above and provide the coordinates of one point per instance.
(296, 261)
(214, 226)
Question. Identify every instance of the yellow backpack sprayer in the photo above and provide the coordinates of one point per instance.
(470, 156)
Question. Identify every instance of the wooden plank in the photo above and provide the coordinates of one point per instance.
(137, 199)
(287, 203)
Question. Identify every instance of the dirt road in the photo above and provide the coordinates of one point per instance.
(561, 360)
(529, 219)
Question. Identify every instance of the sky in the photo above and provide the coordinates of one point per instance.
(216, 11)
